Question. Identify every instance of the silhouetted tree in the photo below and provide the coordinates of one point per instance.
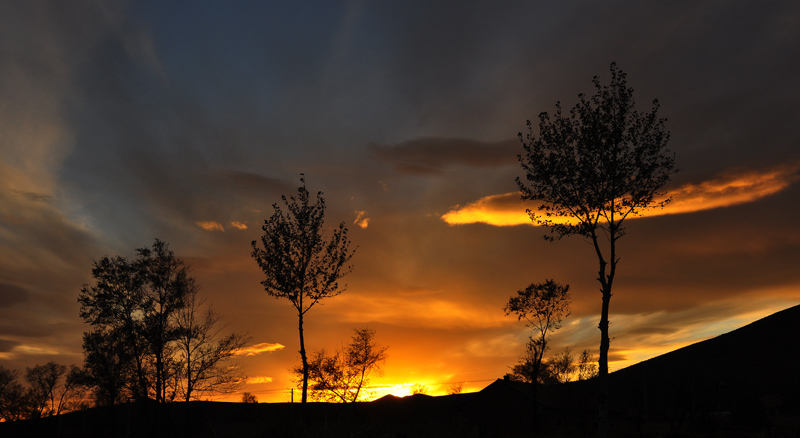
(542, 306)
(562, 367)
(43, 380)
(419, 388)
(115, 351)
(249, 398)
(587, 368)
(455, 388)
(298, 262)
(166, 284)
(202, 350)
(343, 376)
(144, 322)
(12, 396)
(525, 371)
(591, 171)
(53, 389)
(108, 367)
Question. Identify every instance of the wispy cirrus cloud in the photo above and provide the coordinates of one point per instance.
(726, 190)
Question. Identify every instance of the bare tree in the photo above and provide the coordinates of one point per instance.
(419, 388)
(299, 263)
(149, 337)
(249, 398)
(455, 388)
(542, 306)
(43, 380)
(342, 377)
(202, 350)
(603, 163)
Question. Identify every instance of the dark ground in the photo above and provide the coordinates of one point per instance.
(745, 383)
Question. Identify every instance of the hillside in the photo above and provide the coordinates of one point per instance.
(741, 383)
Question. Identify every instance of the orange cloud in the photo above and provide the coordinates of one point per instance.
(258, 379)
(239, 225)
(361, 219)
(264, 347)
(730, 189)
(210, 225)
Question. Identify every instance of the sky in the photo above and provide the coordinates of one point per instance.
(123, 122)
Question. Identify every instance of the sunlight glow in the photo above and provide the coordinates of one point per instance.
(729, 189)
(427, 312)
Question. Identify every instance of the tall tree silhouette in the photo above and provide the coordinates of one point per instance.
(591, 170)
(167, 284)
(299, 263)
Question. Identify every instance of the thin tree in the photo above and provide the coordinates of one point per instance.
(542, 306)
(591, 170)
(299, 263)
(203, 350)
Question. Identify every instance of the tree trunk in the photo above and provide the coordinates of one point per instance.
(603, 406)
(303, 357)
(606, 281)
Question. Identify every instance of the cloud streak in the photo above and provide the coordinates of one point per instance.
(727, 190)
(264, 347)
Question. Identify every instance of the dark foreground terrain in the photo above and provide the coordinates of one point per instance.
(745, 383)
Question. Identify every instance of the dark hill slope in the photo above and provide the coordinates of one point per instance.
(746, 379)
(759, 360)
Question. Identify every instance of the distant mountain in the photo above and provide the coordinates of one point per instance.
(742, 383)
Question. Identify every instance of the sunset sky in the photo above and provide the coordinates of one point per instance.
(122, 122)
